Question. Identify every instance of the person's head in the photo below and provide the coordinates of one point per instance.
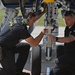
(69, 18)
(31, 18)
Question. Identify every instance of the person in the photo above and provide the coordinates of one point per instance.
(10, 44)
(65, 64)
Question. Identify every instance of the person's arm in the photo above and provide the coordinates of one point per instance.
(35, 41)
(39, 15)
(62, 39)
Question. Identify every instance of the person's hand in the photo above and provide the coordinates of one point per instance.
(51, 37)
(44, 31)
(44, 5)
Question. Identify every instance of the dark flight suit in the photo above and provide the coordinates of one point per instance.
(10, 42)
(65, 64)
